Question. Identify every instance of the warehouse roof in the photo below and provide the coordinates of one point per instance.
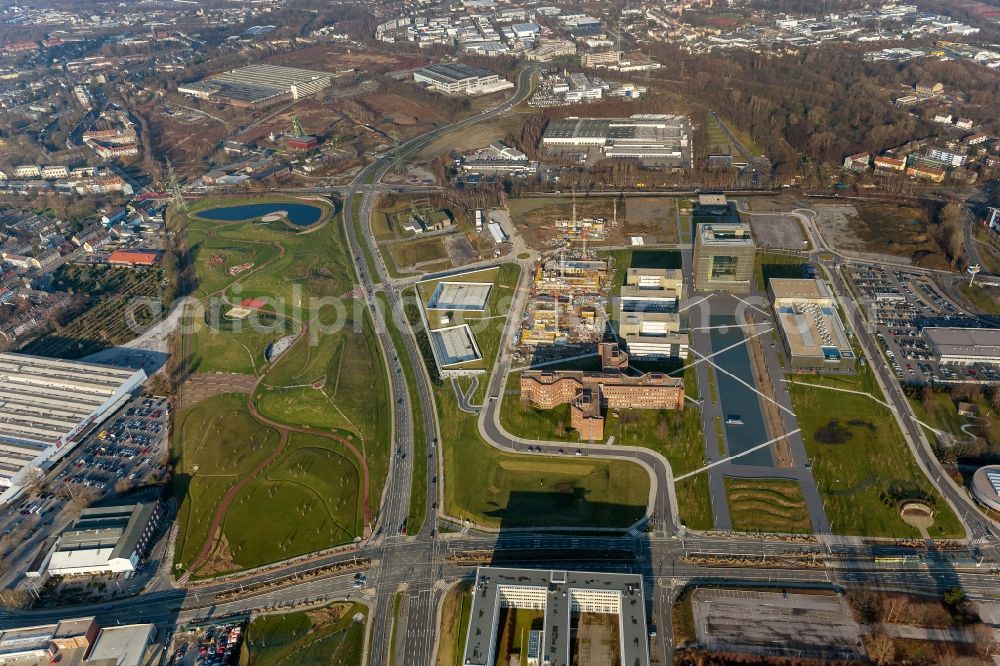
(454, 72)
(455, 344)
(968, 342)
(122, 646)
(460, 296)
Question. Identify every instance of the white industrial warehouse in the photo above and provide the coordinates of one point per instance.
(46, 405)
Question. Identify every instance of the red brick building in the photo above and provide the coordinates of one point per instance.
(589, 393)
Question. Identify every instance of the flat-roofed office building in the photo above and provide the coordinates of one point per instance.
(47, 405)
(106, 539)
(964, 346)
(560, 595)
(648, 322)
(811, 329)
(723, 257)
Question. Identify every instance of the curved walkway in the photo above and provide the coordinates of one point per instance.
(222, 509)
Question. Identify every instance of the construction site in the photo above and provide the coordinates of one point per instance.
(567, 306)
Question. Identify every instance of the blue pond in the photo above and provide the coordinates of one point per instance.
(302, 215)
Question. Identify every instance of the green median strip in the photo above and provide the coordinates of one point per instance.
(418, 487)
(359, 233)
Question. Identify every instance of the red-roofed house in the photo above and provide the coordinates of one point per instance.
(133, 258)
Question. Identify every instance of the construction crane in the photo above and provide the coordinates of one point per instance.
(175, 188)
(297, 127)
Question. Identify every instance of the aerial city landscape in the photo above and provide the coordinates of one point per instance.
(499, 332)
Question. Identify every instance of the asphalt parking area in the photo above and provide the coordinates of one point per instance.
(778, 230)
(775, 623)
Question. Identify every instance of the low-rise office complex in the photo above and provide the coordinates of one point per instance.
(77, 642)
(108, 539)
(459, 79)
(964, 346)
(811, 330)
(46, 405)
(723, 257)
(258, 86)
(560, 595)
(588, 393)
(655, 139)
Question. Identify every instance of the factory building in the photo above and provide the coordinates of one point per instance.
(723, 257)
(560, 594)
(459, 79)
(811, 330)
(655, 139)
(964, 346)
(258, 86)
(588, 393)
(47, 405)
(108, 539)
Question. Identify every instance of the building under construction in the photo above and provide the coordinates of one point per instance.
(568, 301)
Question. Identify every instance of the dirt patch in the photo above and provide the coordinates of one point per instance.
(197, 387)
(220, 561)
(336, 59)
(597, 640)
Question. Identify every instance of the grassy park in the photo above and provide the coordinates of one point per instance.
(327, 636)
(767, 505)
(860, 461)
(332, 380)
(216, 442)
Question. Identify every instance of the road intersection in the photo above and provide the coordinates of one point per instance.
(422, 566)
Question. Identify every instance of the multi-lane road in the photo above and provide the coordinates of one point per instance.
(421, 566)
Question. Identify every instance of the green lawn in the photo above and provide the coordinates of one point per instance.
(325, 637)
(214, 344)
(864, 476)
(409, 253)
(335, 381)
(309, 499)
(767, 505)
(677, 435)
(984, 299)
(768, 265)
(940, 410)
(215, 443)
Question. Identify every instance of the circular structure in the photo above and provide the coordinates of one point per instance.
(986, 486)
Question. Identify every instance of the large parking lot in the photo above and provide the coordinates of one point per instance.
(129, 447)
(776, 623)
(901, 304)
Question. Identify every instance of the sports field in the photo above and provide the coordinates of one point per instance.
(318, 424)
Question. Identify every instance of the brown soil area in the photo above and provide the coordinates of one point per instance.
(220, 560)
(336, 59)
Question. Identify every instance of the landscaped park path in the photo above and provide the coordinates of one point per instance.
(284, 430)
